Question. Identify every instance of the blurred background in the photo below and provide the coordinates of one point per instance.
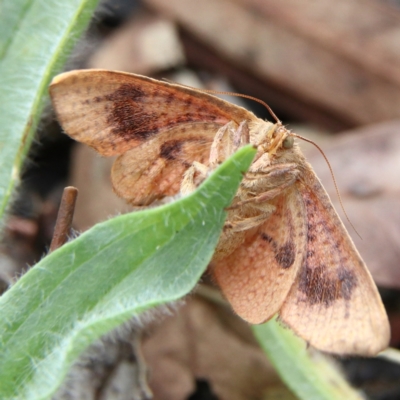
(331, 72)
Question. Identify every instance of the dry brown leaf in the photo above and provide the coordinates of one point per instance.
(339, 56)
(204, 342)
(144, 44)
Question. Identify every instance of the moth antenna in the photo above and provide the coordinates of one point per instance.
(333, 177)
(245, 96)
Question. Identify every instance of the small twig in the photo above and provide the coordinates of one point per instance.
(64, 218)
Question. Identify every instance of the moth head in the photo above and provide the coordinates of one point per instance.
(281, 139)
(270, 138)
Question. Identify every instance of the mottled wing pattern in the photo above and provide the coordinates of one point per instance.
(155, 169)
(114, 112)
(157, 128)
(334, 303)
(258, 275)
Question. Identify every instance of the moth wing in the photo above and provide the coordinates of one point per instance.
(114, 112)
(334, 303)
(155, 169)
(257, 276)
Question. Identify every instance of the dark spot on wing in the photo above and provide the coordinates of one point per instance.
(137, 114)
(186, 150)
(284, 255)
(323, 288)
(127, 114)
(348, 282)
(320, 283)
(170, 150)
(267, 238)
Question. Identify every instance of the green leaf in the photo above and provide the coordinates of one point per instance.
(35, 39)
(309, 374)
(99, 280)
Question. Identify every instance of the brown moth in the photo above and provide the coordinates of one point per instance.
(283, 250)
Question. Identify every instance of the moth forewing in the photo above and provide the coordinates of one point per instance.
(115, 111)
(169, 125)
(334, 303)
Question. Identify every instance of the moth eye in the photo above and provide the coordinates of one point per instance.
(288, 142)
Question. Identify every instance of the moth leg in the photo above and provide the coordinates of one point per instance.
(198, 172)
(237, 137)
(190, 182)
(266, 196)
(271, 194)
(243, 224)
(271, 170)
(240, 136)
(215, 147)
(274, 180)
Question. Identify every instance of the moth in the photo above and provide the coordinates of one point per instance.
(283, 249)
